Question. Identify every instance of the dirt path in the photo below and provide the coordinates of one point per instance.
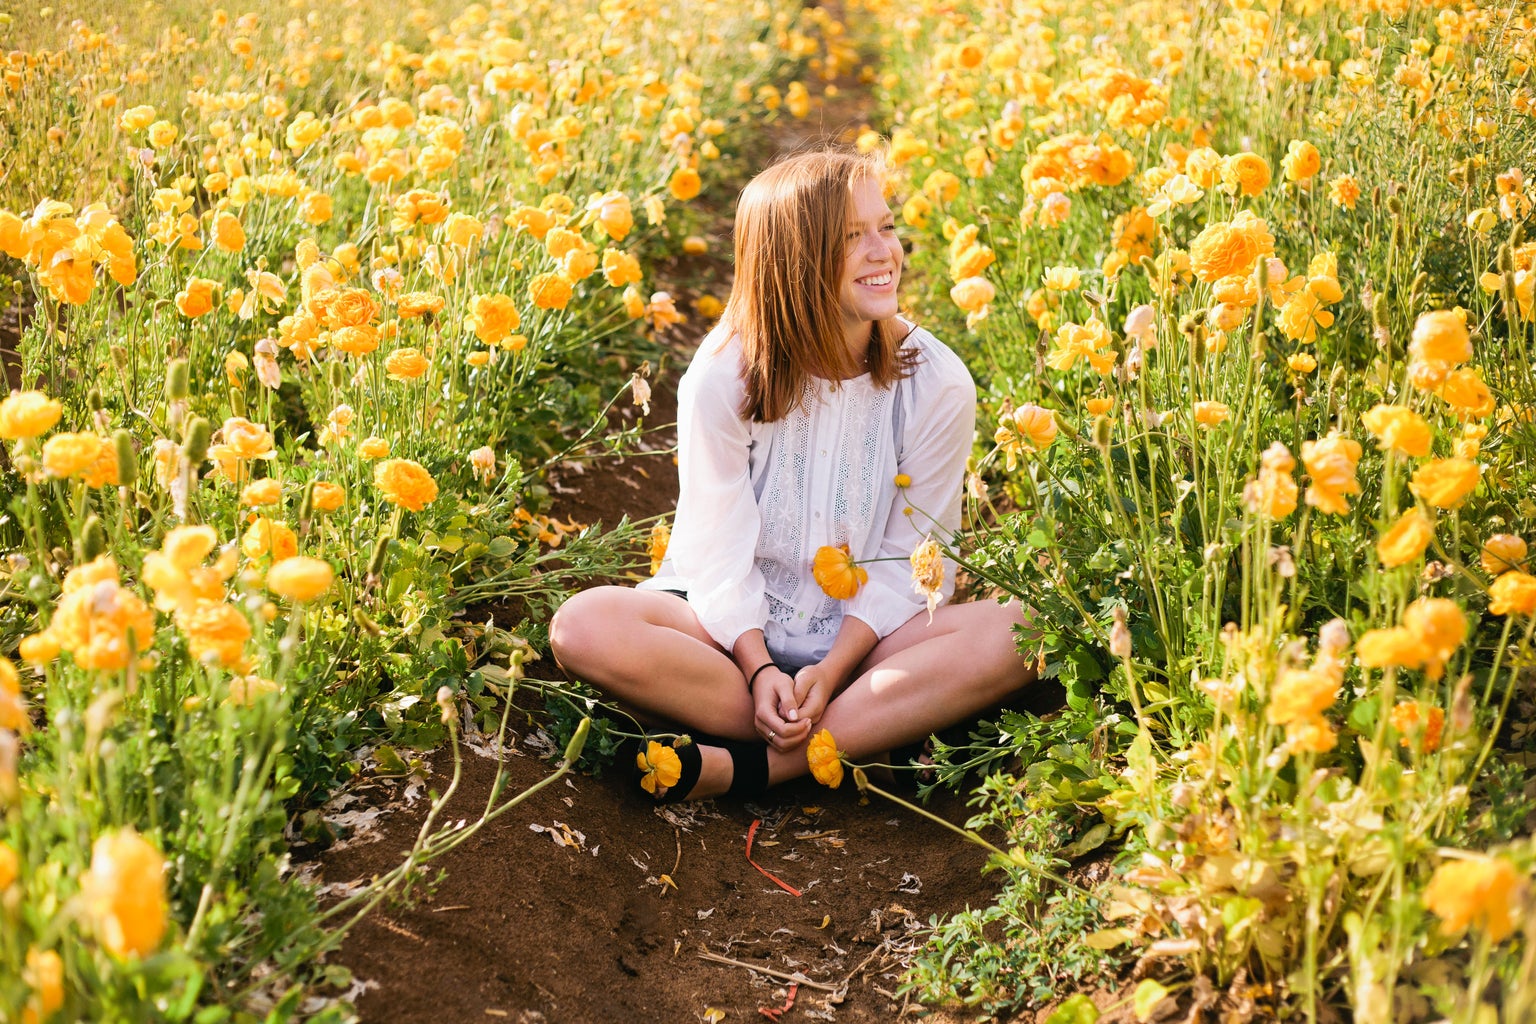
(559, 913)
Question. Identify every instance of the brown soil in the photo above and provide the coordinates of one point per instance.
(561, 911)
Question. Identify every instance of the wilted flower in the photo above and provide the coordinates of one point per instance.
(928, 572)
(661, 537)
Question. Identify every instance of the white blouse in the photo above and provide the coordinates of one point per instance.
(757, 499)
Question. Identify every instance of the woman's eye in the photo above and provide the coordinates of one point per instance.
(888, 227)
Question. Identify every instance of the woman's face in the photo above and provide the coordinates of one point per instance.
(872, 264)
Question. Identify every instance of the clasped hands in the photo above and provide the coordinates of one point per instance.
(786, 708)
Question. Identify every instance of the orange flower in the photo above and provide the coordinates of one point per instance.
(1479, 891)
(1301, 694)
(405, 483)
(1419, 728)
(406, 364)
(1503, 552)
(835, 571)
(684, 184)
(1440, 336)
(661, 537)
(1224, 248)
(1444, 483)
(1399, 429)
(1440, 627)
(1513, 593)
(549, 291)
(1331, 463)
(124, 894)
(661, 765)
(825, 760)
(1211, 414)
(196, 298)
(1405, 540)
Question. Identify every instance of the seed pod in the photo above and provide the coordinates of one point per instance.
(1416, 292)
(1395, 205)
(176, 378)
(1379, 312)
(1102, 430)
(338, 375)
(119, 356)
(1517, 235)
(367, 624)
(93, 539)
(578, 742)
(1508, 294)
(195, 445)
(127, 458)
(93, 399)
(1506, 259)
(237, 401)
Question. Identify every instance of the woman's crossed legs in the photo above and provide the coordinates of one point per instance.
(647, 650)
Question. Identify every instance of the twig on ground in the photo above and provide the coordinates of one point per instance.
(797, 977)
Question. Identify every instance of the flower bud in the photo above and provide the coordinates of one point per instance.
(338, 376)
(93, 400)
(578, 742)
(1505, 260)
(376, 563)
(93, 539)
(365, 622)
(1419, 281)
(237, 401)
(176, 377)
(195, 445)
(1120, 635)
(127, 458)
(1102, 431)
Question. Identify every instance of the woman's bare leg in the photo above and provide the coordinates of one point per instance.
(647, 649)
(920, 678)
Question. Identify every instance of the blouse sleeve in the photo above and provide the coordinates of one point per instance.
(937, 438)
(714, 538)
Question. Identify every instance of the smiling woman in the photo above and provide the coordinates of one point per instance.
(812, 419)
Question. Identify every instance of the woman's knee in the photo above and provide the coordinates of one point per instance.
(577, 623)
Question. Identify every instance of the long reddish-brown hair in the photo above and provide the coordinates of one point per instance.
(791, 247)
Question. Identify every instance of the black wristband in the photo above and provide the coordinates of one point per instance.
(753, 678)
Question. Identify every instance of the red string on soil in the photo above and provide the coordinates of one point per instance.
(775, 1012)
(775, 879)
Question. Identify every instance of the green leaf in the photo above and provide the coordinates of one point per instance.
(501, 547)
(1148, 994)
(1091, 840)
(1078, 1009)
(390, 763)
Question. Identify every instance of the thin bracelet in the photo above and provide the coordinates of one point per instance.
(759, 672)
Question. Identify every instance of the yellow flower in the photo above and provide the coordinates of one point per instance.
(1301, 362)
(972, 294)
(1301, 694)
(216, 633)
(406, 364)
(176, 572)
(259, 493)
(13, 716)
(101, 624)
(549, 291)
(1381, 648)
(684, 184)
(300, 579)
(1098, 406)
(1464, 391)
(124, 894)
(1331, 463)
(44, 975)
(328, 497)
(1273, 493)
(405, 483)
(1440, 336)
(1223, 249)
(661, 765)
(66, 455)
(267, 537)
(927, 561)
(1063, 279)
(196, 297)
(1090, 341)
(227, 232)
(162, 134)
(372, 448)
(1399, 429)
(1301, 161)
(1344, 191)
(1444, 483)
(1211, 414)
(1440, 627)
(1405, 540)
(620, 268)
(835, 571)
(28, 414)
(10, 867)
(1420, 729)
(1513, 593)
(825, 760)
(1036, 427)
(1478, 891)
(661, 537)
(1246, 173)
(1503, 552)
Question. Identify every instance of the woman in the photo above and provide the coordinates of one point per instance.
(812, 416)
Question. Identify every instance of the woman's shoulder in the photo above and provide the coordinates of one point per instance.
(936, 363)
(718, 361)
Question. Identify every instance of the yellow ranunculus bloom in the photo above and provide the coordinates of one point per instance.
(661, 766)
(1440, 336)
(28, 414)
(405, 483)
(1405, 539)
(1513, 593)
(300, 578)
(1331, 463)
(1479, 891)
(835, 571)
(824, 759)
(1399, 429)
(1503, 552)
(406, 364)
(1444, 483)
(124, 894)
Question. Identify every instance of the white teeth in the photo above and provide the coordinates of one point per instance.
(877, 281)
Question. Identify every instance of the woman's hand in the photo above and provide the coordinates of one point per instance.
(774, 701)
(814, 687)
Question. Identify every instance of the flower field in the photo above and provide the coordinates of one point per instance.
(302, 302)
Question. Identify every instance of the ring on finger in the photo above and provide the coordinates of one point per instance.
(772, 734)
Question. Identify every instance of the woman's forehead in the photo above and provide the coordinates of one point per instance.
(867, 198)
